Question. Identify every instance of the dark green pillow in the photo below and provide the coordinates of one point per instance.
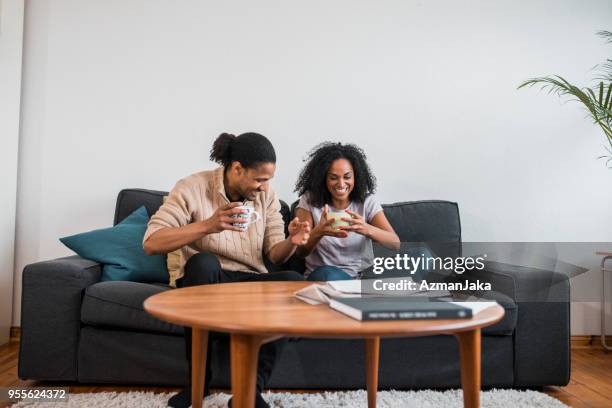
(119, 250)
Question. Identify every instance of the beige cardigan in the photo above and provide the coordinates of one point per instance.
(195, 198)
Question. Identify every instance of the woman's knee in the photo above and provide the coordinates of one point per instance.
(328, 273)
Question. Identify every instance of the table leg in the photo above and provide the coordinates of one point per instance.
(469, 350)
(372, 353)
(199, 346)
(244, 351)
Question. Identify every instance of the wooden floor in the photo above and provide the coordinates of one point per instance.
(590, 384)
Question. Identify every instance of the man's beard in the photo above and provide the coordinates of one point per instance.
(245, 197)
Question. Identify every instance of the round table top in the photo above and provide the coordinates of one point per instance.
(269, 308)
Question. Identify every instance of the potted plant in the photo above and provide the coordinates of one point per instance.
(597, 100)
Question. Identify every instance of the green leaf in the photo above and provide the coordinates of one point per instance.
(598, 107)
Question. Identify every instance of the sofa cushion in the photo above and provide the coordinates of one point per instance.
(425, 221)
(119, 304)
(130, 199)
(435, 223)
(119, 250)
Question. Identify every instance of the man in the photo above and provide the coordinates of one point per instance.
(199, 217)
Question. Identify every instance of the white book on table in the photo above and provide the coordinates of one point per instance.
(322, 292)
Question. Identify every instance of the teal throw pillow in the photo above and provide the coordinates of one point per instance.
(119, 250)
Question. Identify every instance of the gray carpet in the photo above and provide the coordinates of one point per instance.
(347, 399)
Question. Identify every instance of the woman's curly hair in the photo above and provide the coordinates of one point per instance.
(313, 177)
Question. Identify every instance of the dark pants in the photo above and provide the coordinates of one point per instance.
(204, 269)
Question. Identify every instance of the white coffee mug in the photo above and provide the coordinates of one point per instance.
(246, 217)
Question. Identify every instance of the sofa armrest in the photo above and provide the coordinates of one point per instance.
(542, 334)
(51, 316)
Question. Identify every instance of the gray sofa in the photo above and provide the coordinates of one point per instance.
(76, 328)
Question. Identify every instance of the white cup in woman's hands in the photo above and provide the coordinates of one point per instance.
(337, 217)
(330, 221)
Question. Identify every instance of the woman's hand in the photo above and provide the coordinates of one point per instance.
(325, 226)
(356, 224)
(299, 231)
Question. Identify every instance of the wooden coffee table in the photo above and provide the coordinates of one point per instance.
(258, 312)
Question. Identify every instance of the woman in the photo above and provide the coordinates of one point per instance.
(336, 178)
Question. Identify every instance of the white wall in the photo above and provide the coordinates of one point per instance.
(11, 36)
(132, 93)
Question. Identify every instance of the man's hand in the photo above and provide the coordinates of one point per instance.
(221, 220)
(299, 231)
(325, 228)
(356, 224)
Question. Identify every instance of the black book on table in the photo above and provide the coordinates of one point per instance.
(395, 308)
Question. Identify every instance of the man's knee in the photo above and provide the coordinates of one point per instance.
(290, 276)
(201, 269)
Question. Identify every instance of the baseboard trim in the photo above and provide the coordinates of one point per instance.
(15, 333)
(589, 341)
(582, 341)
